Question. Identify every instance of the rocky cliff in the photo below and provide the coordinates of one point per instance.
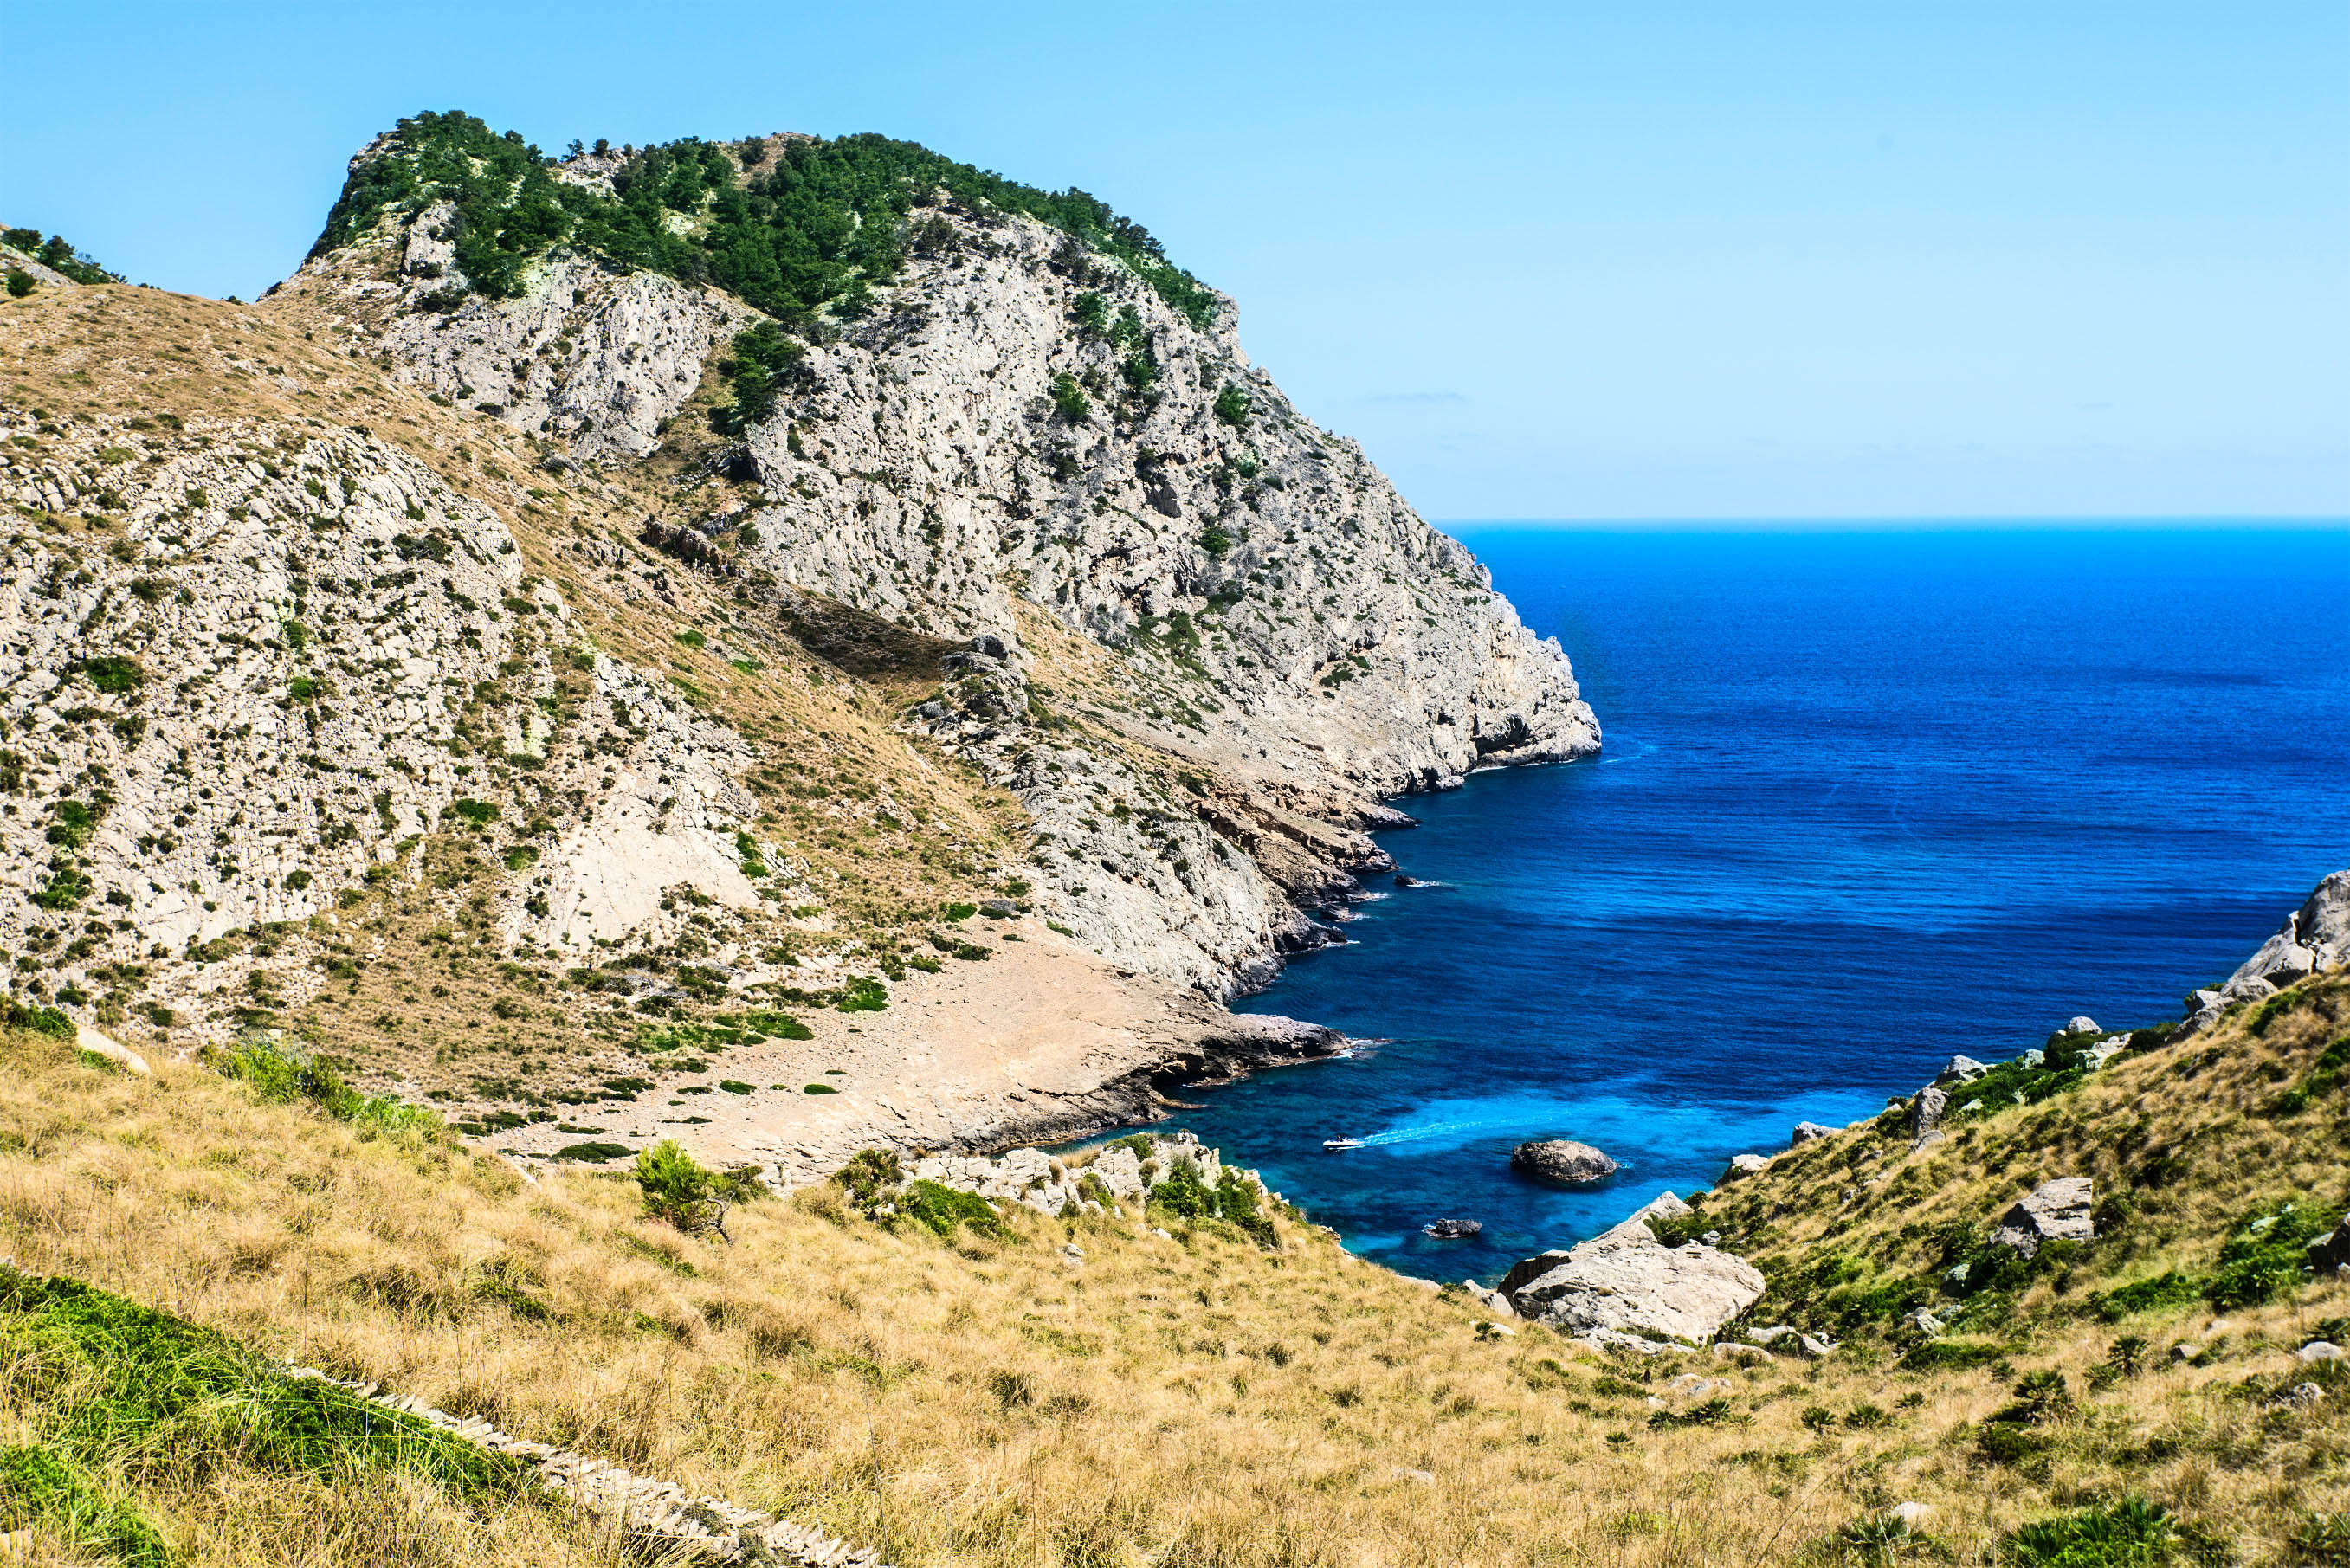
(1019, 430)
(502, 607)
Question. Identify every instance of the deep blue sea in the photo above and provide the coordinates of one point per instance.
(1866, 799)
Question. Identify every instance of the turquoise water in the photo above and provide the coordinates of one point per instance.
(1868, 800)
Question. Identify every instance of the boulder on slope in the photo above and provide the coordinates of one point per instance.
(1625, 1280)
(2314, 938)
(2054, 1210)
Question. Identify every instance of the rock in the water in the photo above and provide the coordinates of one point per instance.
(2055, 1211)
(1563, 1160)
(1807, 1132)
(1745, 1164)
(1444, 1229)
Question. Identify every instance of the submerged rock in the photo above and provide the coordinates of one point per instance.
(1563, 1160)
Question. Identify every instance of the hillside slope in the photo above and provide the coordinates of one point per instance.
(1146, 1384)
(531, 744)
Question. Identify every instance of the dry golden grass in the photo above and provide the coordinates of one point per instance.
(1189, 1401)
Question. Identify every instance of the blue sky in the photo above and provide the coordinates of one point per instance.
(1557, 261)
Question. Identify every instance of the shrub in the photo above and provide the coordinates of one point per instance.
(111, 674)
(943, 1208)
(1069, 400)
(1950, 1355)
(479, 813)
(2264, 1258)
(276, 1074)
(863, 993)
(1233, 405)
(675, 1186)
(869, 1178)
(2164, 1290)
(2008, 1443)
(20, 283)
(2131, 1533)
(46, 1020)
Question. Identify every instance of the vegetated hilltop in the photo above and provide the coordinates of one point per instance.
(606, 615)
(1185, 1375)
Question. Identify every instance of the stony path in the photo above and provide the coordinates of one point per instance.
(722, 1532)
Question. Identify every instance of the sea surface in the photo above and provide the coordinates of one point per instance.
(1868, 799)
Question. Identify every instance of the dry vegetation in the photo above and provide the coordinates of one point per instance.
(887, 829)
(1194, 1400)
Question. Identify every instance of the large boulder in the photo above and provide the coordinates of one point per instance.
(1625, 1282)
(1925, 1112)
(2054, 1210)
(1743, 1166)
(2314, 938)
(1810, 1132)
(1960, 1070)
(1563, 1161)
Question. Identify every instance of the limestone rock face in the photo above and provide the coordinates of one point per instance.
(1288, 628)
(1625, 1282)
(599, 360)
(1563, 1161)
(2315, 937)
(2055, 1211)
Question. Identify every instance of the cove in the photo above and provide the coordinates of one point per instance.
(1868, 799)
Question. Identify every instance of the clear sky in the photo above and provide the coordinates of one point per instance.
(1649, 260)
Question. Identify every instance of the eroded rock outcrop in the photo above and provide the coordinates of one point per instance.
(1625, 1282)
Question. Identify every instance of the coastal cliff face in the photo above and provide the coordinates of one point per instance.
(486, 661)
(1019, 434)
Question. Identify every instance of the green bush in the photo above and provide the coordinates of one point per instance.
(1069, 400)
(869, 1178)
(1233, 405)
(2131, 1533)
(112, 674)
(1951, 1354)
(674, 1184)
(2267, 1255)
(943, 1208)
(863, 993)
(2008, 1443)
(2168, 1288)
(274, 1073)
(46, 1020)
(20, 283)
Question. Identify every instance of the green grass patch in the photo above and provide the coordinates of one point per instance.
(276, 1074)
(134, 1393)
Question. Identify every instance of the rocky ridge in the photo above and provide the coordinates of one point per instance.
(1287, 632)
